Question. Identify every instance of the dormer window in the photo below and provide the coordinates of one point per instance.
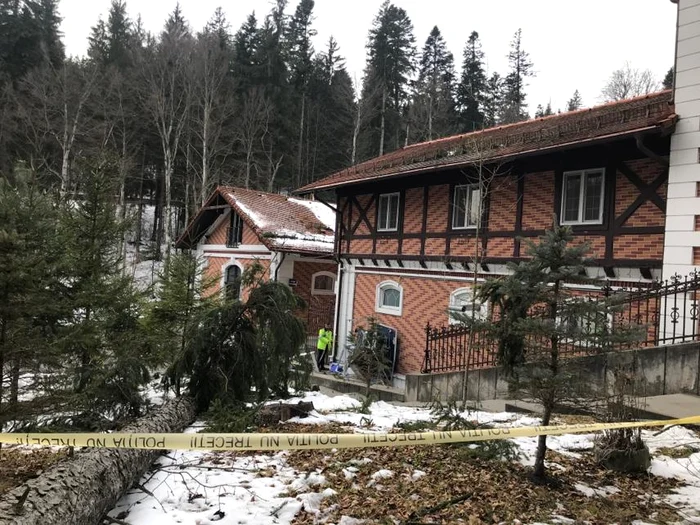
(582, 197)
(388, 212)
(235, 231)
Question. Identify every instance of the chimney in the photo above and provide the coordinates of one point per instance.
(682, 238)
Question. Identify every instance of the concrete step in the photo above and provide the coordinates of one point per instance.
(353, 386)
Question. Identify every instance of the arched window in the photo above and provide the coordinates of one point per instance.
(232, 281)
(461, 303)
(389, 298)
(323, 283)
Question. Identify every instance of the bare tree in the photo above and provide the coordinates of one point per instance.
(212, 105)
(166, 94)
(252, 126)
(628, 82)
(54, 112)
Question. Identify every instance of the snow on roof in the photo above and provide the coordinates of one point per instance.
(282, 223)
(324, 213)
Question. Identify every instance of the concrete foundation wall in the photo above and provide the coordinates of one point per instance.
(672, 369)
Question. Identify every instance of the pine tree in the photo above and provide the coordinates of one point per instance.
(390, 62)
(119, 36)
(575, 102)
(246, 44)
(472, 88)
(301, 64)
(243, 346)
(540, 316)
(28, 262)
(331, 114)
(515, 82)
(48, 21)
(668, 79)
(493, 100)
(433, 105)
(182, 295)
(100, 338)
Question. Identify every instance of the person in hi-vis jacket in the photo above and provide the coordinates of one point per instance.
(325, 341)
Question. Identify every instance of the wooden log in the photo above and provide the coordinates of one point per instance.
(79, 490)
(275, 413)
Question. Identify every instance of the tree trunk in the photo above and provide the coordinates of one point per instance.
(301, 141)
(539, 469)
(205, 155)
(356, 133)
(168, 208)
(80, 490)
(139, 212)
(381, 132)
(14, 383)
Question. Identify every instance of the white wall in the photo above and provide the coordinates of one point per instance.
(684, 173)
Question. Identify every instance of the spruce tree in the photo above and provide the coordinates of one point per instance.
(575, 102)
(28, 281)
(390, 63)
(301, 65)
(493, 100)
(183, 294)
(433, 105)
(472, 88)
(104, 351)
(520, 68)
(540, 316)
(668, 79)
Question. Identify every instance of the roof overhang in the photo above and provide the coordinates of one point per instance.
(662, 128)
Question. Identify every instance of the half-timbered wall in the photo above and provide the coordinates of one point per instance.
(519, 204)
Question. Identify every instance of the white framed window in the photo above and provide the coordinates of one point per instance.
(389, 299)
(461, 303)
(232, 281)
(323, 283)
(466, 207)
(388, 212)
(582, 197)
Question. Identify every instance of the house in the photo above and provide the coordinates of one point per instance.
(291, 238)
(418, 225)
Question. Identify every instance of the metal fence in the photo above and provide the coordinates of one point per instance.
(662, 313)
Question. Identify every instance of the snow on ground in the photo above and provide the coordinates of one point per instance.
(202, 488)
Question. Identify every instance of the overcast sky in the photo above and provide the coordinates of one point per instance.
(573, 44)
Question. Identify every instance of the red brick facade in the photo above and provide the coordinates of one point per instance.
(320, 308)
(424, 301)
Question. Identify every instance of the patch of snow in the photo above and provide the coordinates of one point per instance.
(382, 474)
(323, 403)
(259, 222)
(323, 213)
(304, 484)
(417, 474)
(592, 492)
(347, 520)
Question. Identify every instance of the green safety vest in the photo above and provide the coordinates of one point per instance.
(325, 338)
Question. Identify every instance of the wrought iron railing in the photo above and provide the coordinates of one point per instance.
(666, 312)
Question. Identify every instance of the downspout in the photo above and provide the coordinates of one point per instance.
(277, 267)
(336, 315)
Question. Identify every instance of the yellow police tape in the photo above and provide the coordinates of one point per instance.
(275, 442)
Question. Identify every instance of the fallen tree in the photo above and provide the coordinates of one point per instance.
(79, 490)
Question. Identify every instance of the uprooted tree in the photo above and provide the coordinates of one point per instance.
(244, 346)
(542, 317)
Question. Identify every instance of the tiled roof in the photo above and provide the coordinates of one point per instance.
(512, 140)
(286, 224)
